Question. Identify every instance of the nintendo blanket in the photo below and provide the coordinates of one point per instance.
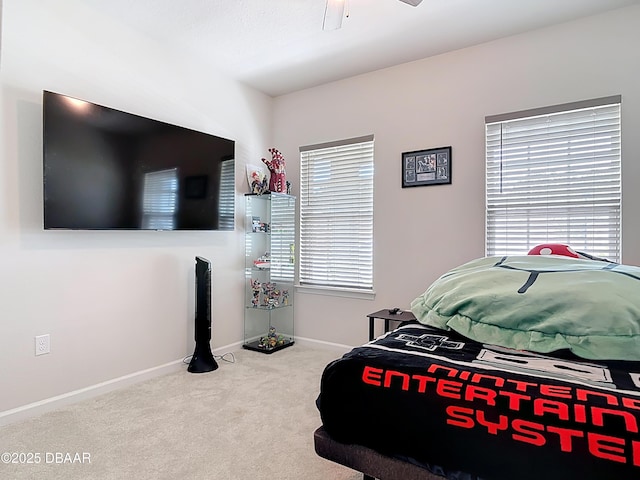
(437, 398)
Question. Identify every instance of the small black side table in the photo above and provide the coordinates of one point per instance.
(402, 316)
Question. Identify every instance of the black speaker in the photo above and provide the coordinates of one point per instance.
(202, 360)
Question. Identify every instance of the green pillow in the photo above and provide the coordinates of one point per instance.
(541, 304)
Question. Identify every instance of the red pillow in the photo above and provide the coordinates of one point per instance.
(554, 249)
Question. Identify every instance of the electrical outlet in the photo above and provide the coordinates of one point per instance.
(43, 344)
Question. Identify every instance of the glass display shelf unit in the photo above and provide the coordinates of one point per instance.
(269, 271)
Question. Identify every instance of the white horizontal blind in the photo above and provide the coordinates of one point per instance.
(336, 214)
(160, 199)
(555, 178)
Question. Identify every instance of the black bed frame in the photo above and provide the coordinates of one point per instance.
(371, 463)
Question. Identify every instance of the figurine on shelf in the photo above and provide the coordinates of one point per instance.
(277, 179)
(259, 226)
(272, 339)
(274, 299)
(255, 288)
(267, 287)
(257, 178)
(272, 332)
(271, 295)
(285, 297)
(271, 302)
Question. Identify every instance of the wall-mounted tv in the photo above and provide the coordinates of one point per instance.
(105, 169)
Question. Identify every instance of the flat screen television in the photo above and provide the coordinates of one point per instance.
(105, 169)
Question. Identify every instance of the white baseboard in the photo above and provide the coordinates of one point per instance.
(310, 342)
(232, 347)
(37, 408)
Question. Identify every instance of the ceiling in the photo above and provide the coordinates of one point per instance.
(278, 46)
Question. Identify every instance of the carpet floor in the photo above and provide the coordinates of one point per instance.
(252, 419)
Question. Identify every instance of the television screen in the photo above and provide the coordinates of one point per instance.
(107, 169)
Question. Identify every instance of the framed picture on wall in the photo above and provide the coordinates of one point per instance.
(426, 167)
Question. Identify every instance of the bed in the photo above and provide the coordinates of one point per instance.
(517, 368)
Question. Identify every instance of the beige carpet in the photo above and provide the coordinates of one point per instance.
(252, 419)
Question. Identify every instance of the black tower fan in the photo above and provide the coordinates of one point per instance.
(202, 360)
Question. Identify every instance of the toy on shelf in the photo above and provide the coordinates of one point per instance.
(271, 295)
(257, 178)
(277, 179)
(272, 339)
(263, 262)
(259, 226)
(255, 289)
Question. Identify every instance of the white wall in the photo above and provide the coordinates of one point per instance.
(422, 232)
(114, 303)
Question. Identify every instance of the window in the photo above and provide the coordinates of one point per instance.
(336, 214)
(553, 176)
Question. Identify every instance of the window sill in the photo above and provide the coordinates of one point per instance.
(337, 292)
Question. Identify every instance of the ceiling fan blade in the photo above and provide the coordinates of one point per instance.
(415, 3)
(333, 13)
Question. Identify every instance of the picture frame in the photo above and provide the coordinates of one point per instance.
(426, 167)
